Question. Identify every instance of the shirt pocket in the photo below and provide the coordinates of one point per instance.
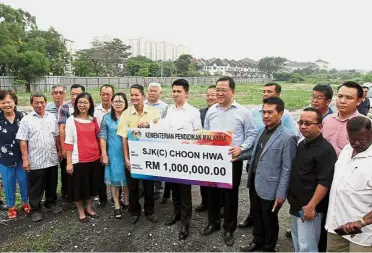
(358, 181)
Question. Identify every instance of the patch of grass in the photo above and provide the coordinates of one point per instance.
(41, 242)
(295, 95)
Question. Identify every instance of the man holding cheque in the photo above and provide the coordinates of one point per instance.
(228, 115)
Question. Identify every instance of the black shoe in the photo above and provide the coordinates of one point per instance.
(53, 208)
(222, 212)
(134, 219)
(210, 229)
(200, 208)
(248, 222)
(152, 218)
(163, 200)
(117, 214)
(173, 219)
(3, 206)
(184, 232)
(288, 233)
(36, 216)
(157, 195)
(229, 239)
(250, 247)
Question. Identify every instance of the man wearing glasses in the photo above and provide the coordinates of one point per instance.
(105, 92)
(322, 98)
(58, 94)
(311, 178)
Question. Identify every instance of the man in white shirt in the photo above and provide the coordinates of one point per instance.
(153, 100)
(105, 92)
(181, 117)
(351, 191)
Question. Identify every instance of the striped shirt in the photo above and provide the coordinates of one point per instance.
(40, 134)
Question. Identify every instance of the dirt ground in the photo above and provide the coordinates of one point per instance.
(62, 232)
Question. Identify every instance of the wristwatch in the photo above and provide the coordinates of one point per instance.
(364, 223)
(242, 148)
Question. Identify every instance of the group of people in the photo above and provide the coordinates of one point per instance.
(321, 165)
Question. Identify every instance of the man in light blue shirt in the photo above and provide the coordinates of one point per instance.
(228, 115)
(153, 100)
(273, 90)
(269, 90)
(58, 94)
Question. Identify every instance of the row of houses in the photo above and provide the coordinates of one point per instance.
(247, 68)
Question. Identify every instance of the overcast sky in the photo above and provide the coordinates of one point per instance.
(333, 30)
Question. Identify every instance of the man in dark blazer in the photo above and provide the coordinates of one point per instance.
(268, 175)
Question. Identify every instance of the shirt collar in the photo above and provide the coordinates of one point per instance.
(355, 114)
(184, 107)
(364, 154)
(157, 103)
(234, 104)
(100, 108)
(134, 111)
(272, 130)
(33, 113)
(315, 140)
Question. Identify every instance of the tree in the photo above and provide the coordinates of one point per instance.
(31, 65)
(271, 65)
(182, 64)
(102, 58)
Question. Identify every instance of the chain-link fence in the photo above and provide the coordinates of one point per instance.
(46, 83)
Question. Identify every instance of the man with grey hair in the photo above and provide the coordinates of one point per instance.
(58, 94)
(38, 135)
(153, 100)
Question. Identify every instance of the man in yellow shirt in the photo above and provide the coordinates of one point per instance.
(137, 116)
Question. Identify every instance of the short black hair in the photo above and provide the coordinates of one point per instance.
(113, 114)
(326, 89)
(355, 85)
(211, 87)
(37, 95)
(275, 101)
(319, 116)
(107, 86)
(138, 87)
(11, 94)
(91, 103)
(278, 88)
(182, 82)
(356, 124)
(77, 86)
(227, 78)
(365, 87)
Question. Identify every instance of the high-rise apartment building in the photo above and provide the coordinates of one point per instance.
(156, 51)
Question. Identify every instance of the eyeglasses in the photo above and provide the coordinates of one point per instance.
(83, 103)
(119, 102)
(306, 123)
(58, 92)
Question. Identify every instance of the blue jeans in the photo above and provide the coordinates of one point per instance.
(305, 235)
(10, 177)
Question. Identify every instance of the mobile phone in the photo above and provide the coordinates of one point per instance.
(301, 214)
(342, 232)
